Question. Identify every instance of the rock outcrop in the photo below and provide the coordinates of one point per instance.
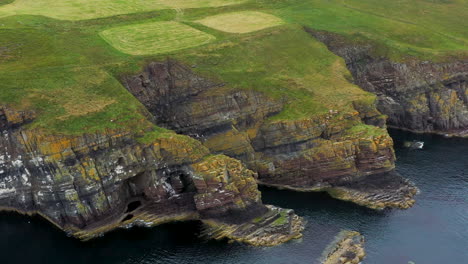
(267, 230)
(312, 154)
(420, 96)
(90, 184)
(348, 248)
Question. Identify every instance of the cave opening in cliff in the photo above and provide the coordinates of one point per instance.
(127, 217)
(181, 181)
(137, 184)
(187, 182)
(133, 206)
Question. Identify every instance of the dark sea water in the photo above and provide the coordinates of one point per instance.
(434, 231)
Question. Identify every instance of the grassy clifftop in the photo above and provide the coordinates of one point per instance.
(63, 60)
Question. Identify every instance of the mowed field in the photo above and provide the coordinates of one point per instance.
(241, 22)
(155, 37)
(89, 9)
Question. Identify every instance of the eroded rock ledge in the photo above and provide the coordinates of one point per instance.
(90, 184)
(319, 153)
(419, 96)
(275, 227)
(348, 248)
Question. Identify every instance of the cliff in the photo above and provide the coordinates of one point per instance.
(90, 184)
(329, 152)
(416, 95)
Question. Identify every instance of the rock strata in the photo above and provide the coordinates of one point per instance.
(309, 154)
(274, 227)
(420, 96)
(347, 249)
(90, 184)
(380, 191)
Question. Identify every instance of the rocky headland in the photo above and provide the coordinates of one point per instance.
(338, 152)
(88, 185)
(417, 95)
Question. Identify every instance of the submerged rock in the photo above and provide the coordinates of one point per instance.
(413, 144)
(348, 248)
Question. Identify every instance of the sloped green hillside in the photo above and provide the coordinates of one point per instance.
(59, 59)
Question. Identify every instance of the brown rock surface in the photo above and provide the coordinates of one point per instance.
(347, 249)
(90, 184)
(420, 96)
(315, 153)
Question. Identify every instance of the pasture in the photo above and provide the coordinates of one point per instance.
(91, 9)
(68, 71)
(155, 38)
(241, 22)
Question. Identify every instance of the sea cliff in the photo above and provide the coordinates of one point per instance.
(335, 152)
(90, 184)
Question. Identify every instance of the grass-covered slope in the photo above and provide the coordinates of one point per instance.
(89, 9)
(64, 59)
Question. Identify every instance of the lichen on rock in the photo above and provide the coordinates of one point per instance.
(308, 154)
(90, 184)
(274, 227)
(348, 248)
(416, 95)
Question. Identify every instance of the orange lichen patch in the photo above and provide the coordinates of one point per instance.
(182, 148)
(55, 146)
(231, 173)
(13, 116)
(16, 115)
(232, 142)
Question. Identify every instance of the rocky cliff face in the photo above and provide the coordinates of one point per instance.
(322, 152)
(419, 96)
(90, 184)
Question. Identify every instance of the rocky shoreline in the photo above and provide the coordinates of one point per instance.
(90, 184)
(275, 227)
(312, 154)
(227, 143)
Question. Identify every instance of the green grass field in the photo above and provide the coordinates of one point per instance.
(155, 38)
(64, 59)
(241, 22)
(89, 9)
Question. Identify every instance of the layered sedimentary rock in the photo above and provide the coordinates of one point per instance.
(317, 153)
(90, 184)
(348, 248)
(420, 96)
(267, 230)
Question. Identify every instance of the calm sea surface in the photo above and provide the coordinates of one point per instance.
(434, 231)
